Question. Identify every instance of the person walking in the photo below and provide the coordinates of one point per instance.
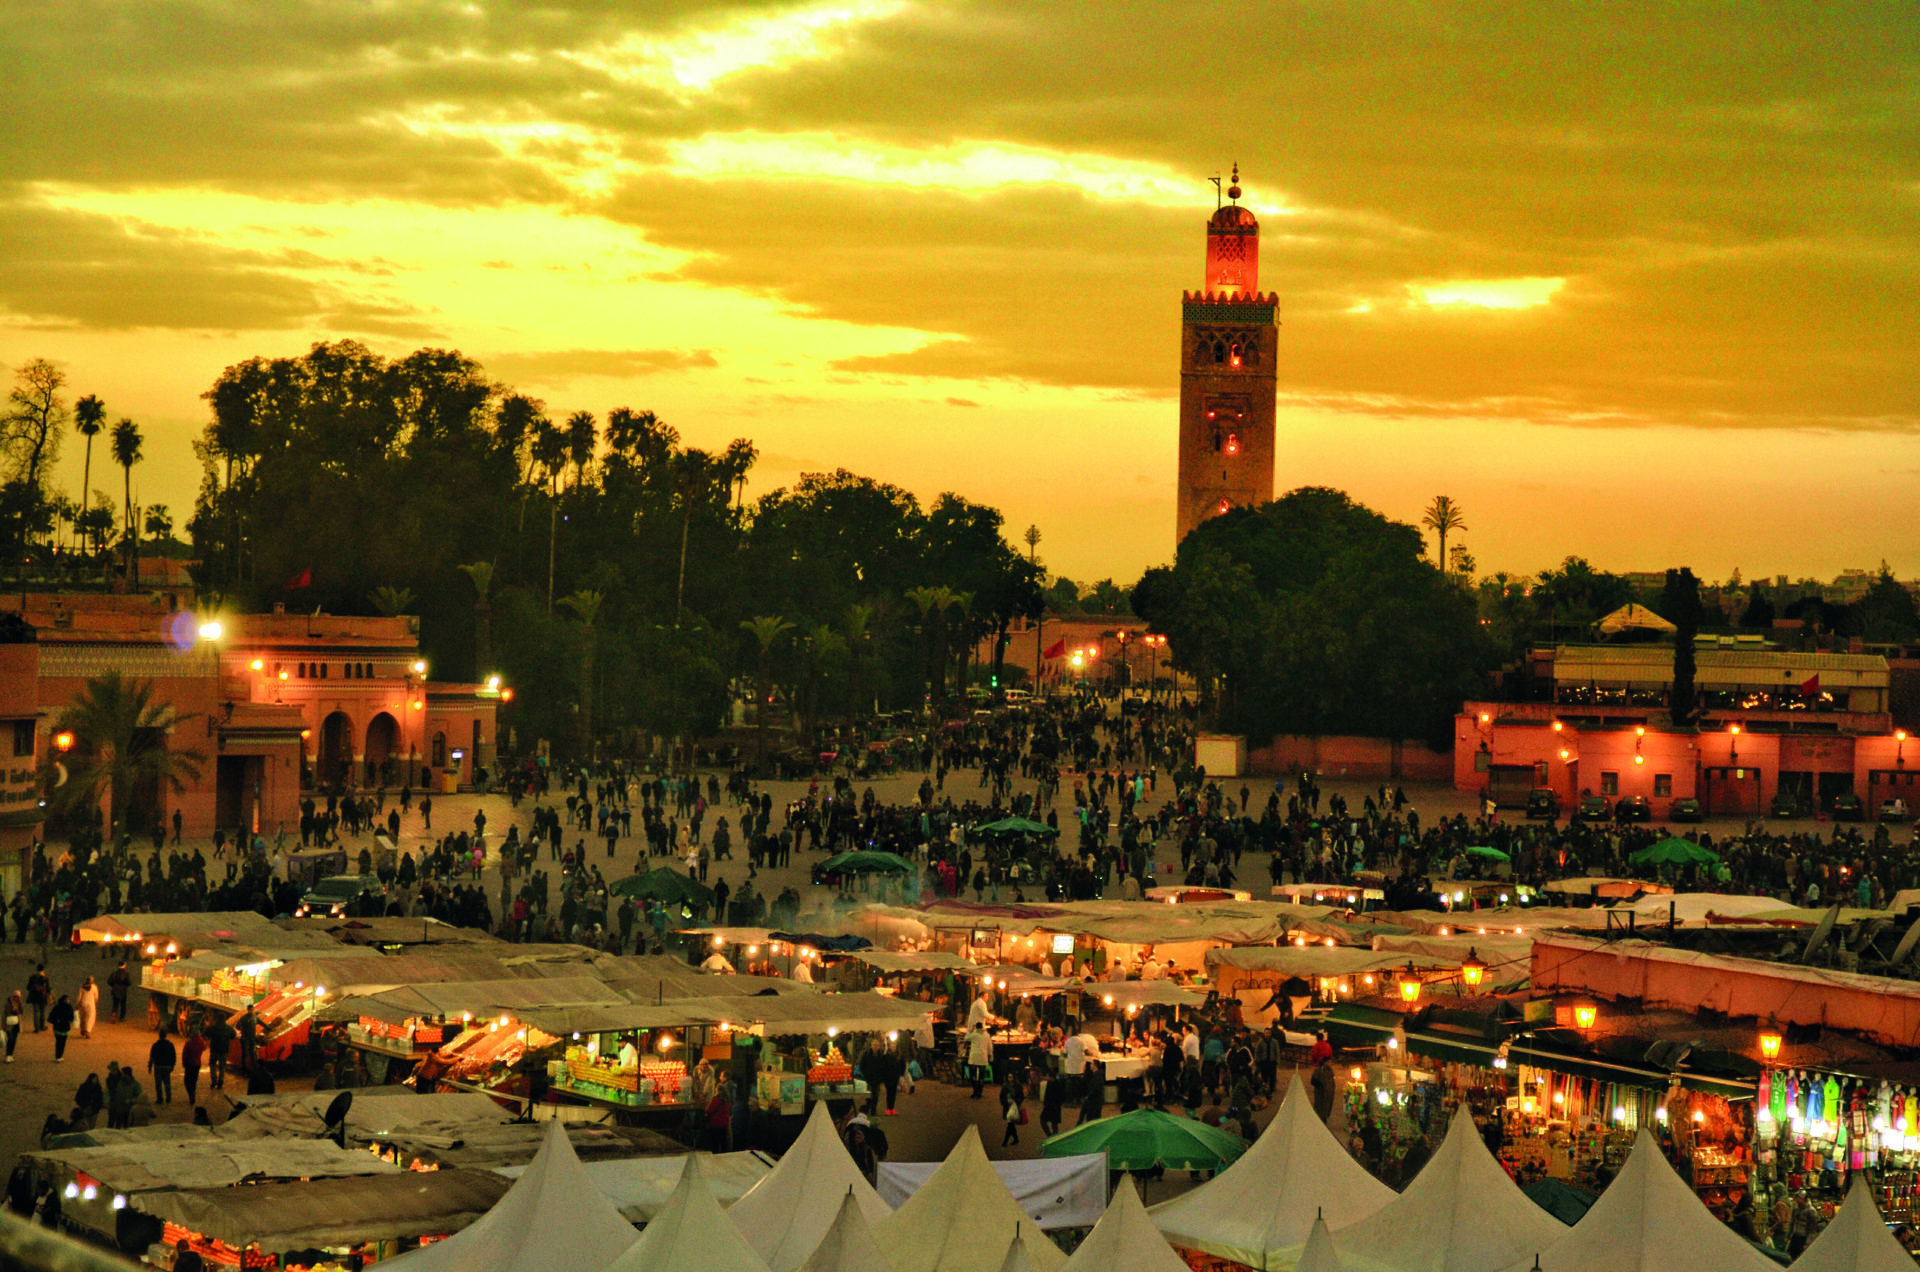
(220, 1037)
(39, 991)
(1053, 1098)
(60, 1020)
(192, 1055)
(87, 1000)
(1323, 1090)
(249, 1039)
(123, 1092)
(1013, 1111)
(979, 1057)
(119, 980)
(161, 1058)
(15, 1008)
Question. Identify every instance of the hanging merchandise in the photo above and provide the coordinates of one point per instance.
(1778, 1099)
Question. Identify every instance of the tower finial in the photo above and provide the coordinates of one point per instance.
(1233, 187)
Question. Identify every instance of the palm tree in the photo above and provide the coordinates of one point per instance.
(822, 643)
(391, 602)
(923, 599)
(586, 607)
(481, 572)
(582, 436)
(120, 743)
(1443, 517)
(767, 631)
(549, 450)
(159, 525)
(126, 453)
(89, 416)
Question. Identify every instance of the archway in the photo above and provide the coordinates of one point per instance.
(335, 759)
(383, 739)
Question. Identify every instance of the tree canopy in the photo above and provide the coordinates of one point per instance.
(1314, 614)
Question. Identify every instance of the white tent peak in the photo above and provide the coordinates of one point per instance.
(1017, 1260)
(1461, 1213)
(848, 1245)
(1857, 1240)
(553, 1219)
(1261, 1209)
(1648, 1221)
(1320, 1255)
(951, 1222)
(690, 1234)
(785, 1215)
(1125, 1239)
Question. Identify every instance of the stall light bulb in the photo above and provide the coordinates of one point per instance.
(893, 1035)
(752, 950)
(1393, 1044)
(119, 1201)
(1698, 1117)
(72, 1191)
(1660, 1115)
(89, 1192)
(1384, 1098)
(719, 941)
(1559, 1097)
(1499, 1062)
(1619, 1113)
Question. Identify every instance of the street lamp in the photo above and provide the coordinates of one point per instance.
(1410, 986)
(1473, 971)
(1770, 1041)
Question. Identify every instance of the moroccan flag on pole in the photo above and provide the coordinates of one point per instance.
(300, 580)
(1056, 650)
(1810, 687)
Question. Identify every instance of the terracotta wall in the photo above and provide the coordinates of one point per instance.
(1351, 757)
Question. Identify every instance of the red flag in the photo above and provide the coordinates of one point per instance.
(1056, 650)
(1810, 687)
(300, 580)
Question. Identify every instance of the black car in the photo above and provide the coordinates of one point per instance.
(1591, 808)
(1685, 810)
(1542, 806)
(1632, 808)
(342, 896)
(1848, 807)
(1786, 804)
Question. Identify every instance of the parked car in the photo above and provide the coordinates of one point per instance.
(1591, 808)
(1686, 810)
(339, 896)
(1786, 804)
(1848, 807)
(1632, 808)
(1894, 810)
(1542, 806)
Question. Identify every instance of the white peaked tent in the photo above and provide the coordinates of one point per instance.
(1125, 1240)
(848, 1245)
(1261, 1209)
(552, 1220)
(1320, 1255)
(690, 1234)
(1461, 1213)
(1020, 1253)
(1857, 1240)
(1648, 1221)
(785, 1215)
(947, 1225)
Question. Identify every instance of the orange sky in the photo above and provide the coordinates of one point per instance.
(1636, 286)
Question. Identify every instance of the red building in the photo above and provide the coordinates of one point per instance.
(272, 704)
(1813, 725)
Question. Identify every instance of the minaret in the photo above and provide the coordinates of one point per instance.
(1229, 339)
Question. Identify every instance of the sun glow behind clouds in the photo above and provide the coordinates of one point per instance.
(970, 168)
(1490, 293)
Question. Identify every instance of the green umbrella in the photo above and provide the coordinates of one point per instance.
(867, 863)
(1146, 1138)
(1484, 850)
(669, 886)
(1017, 826)
(1674, 851)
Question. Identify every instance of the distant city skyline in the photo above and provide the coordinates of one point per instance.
(1657, 318)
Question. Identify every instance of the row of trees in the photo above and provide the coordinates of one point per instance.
(33, 511)
(615, 575)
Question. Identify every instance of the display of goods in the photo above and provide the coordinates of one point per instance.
(829, 1073)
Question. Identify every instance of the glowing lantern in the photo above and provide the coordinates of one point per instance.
(1770, 1041)
(1584, 1015)
(1410, 987)
(1473, 971)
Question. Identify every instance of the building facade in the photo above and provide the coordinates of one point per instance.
(1229, 342)
(267, 706)
(1813, 726)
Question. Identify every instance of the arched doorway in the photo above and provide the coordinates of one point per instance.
(383, 739)
(335, 759)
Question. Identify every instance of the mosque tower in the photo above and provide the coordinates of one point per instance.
(1229, 339)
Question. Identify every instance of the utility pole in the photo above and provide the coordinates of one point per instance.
(1033, 546)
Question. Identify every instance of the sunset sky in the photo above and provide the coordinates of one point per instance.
(1640, 283)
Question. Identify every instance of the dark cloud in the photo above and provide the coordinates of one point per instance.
(1733, 194)
(563, 365)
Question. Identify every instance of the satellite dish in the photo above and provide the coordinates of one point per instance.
(336, 1118)
(1902, 951)
(1821, 931)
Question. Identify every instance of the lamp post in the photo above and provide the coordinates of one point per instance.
(1473, 971)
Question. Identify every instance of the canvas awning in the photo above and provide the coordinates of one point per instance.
(890, 963)
(332, 1212)
(639, 1186)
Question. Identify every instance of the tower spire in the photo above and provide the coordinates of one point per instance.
(1233, 188)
